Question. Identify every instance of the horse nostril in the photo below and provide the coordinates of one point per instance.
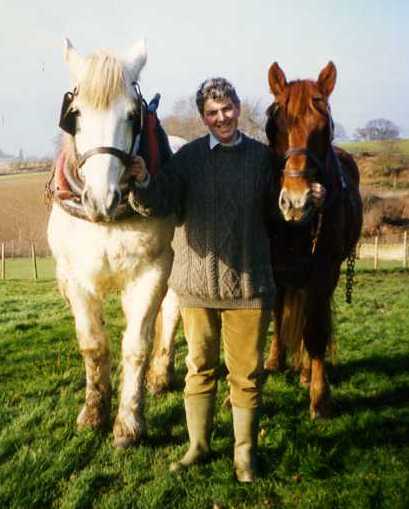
(284, 203)
(113, 200)
(87, 199)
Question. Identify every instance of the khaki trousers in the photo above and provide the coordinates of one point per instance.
(243, 332)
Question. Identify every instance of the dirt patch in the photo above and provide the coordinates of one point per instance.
(24, 214)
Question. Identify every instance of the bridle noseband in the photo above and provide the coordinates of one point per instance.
(310, 172)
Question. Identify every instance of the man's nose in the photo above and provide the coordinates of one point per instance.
(220, 116)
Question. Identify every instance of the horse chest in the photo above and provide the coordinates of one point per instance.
(107, 255)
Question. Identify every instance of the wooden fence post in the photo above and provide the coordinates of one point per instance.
(33, 255)
(3, 262)
(376, 254)
(405, 249)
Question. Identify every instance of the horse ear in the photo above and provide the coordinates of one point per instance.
(136, 58)
(327, 79)
(277, 80)
(73, 58)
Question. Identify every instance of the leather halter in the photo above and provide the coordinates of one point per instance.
(68, 124)
(309, 172)
(120, 154)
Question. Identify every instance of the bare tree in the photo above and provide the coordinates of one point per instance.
(185, 120)
(378, 129)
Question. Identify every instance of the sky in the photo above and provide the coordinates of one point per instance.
(189, 41)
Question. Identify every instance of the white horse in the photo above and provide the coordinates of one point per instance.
(97, 247)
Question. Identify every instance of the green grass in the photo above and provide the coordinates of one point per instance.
(373, 147)
(22, 268)
(357, 459)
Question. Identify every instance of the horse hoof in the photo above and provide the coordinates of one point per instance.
(124, 442)
(92, 417)
(158, 388)
(321, 411)
(159, 384)
(274, 364)
(125, 437)
(305, 378)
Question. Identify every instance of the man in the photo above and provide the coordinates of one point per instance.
(221, 188)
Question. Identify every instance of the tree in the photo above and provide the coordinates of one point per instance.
(184, 121)
(252, 120)
(378, 129)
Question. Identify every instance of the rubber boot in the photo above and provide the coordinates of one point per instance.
(199, 419)
(245, 424)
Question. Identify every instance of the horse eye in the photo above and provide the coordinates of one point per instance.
(131, 115)
(320, 103)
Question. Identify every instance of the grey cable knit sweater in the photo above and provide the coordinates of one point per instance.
(224, 199)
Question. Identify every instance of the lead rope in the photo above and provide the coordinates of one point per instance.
(317, 233)
(350, 276)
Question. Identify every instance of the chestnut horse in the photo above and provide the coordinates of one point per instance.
(309, 244)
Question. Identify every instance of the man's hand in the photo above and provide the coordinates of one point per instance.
(318, 194)
(138, 170)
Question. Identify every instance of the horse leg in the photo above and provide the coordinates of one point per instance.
(161, 371)
(276, 357)
(140, 301)
(305, 366)
(317, 333)
(87, 312)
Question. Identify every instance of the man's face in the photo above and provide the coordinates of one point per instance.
(221, 118)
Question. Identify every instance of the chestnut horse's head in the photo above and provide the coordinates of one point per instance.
(299, 129)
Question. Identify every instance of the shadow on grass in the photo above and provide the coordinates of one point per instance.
(396, 398)
(390, 366)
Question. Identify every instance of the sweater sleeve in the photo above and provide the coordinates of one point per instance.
(164, 193)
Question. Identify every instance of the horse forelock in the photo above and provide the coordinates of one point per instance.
(299, 97)
(102, 81)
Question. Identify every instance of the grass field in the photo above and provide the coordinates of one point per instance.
(22, 268)
(357, 459)
(373, 147)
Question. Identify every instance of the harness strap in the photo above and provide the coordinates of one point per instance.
(120, 154)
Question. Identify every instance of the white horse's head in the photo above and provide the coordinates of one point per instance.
(107, 107)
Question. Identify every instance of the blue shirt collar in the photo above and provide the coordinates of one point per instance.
(213, 141)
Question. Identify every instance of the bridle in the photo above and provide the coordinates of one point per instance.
(68, 122)
(311, 172)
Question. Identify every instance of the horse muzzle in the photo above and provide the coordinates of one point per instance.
(295, 207)
(104, 210)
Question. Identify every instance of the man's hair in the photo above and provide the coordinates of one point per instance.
(217, 89)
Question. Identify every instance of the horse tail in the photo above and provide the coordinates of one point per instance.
(292, 322)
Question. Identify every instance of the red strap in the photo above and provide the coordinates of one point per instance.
(152, 156)
(62, 187)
